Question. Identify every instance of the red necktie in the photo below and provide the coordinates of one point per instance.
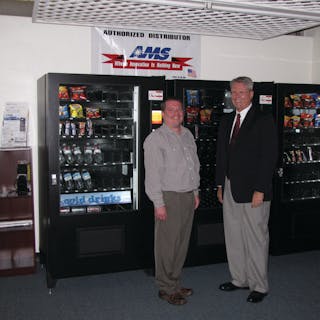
(236, 129)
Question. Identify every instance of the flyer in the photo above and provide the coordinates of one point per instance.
(14, 125)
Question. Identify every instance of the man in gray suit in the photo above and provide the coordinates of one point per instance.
(246, 159)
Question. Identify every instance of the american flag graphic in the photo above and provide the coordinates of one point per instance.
(192, 73)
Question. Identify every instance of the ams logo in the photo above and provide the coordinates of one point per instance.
(151, 53)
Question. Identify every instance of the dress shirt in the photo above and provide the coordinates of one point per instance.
(243, 114)
(171, 163)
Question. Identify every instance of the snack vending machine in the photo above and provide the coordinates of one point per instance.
(295, 220)
(205, 102)
(91, 129)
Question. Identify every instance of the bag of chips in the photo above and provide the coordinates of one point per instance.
(78, 93)
(306, 120)
(63, 112)
(63, 92)
(192, 114)
(92, 113)
(76, 110)
(205, 115)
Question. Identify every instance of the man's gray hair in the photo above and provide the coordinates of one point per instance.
(243, 79)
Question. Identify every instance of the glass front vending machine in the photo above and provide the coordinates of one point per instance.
(205, 102)
(295, 221)
(91, 130)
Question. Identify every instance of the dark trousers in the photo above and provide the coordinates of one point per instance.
(172, 239)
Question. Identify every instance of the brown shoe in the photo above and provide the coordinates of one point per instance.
(174, 298)
(186, 292)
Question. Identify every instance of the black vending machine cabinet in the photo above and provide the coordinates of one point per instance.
(295, 220)
(205, 102)
(91, 173)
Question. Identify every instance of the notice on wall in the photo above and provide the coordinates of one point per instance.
(15, 125)
(145, 53)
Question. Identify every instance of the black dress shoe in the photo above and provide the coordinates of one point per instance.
(229, 286)
(256, 296)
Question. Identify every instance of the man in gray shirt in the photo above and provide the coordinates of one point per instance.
(172, 181)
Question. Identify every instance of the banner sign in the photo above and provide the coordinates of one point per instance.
(145, 53)
(94, 199)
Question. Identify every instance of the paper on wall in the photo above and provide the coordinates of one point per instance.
(15, 125)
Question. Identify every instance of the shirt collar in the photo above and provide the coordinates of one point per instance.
(244, 112)
(167, 129)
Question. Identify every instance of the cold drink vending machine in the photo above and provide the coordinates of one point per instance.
(91, 129)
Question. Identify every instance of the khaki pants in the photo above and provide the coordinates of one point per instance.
(171, 240)
(247, 241)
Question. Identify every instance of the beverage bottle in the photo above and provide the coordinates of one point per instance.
(67, 177)
(97, 154)
(86, 177)
(60, 128)
(67, 128)
(61, 182)
(89, 128)
(88, 157)
(62, 160)
(73, 129)
(68, 154)
(77, 154)
(78, 183)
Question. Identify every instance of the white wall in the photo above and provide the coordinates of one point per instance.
(27, 52)
(284, 59)
(315, 34)
(30, 50)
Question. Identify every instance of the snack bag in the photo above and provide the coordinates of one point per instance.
(193, 97)
(78, 93)
(76, 110)
(63, 92)
(92, 113)
(317, 100)
(307, 100)
(296, 98)
(205, 115)
(316, 120)
(63, 112)
(306, 120)
(192, 114)
(287, 102)
(82, 128)
(288, 122)
(295, 121)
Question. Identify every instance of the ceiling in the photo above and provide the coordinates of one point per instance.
(251, 19)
